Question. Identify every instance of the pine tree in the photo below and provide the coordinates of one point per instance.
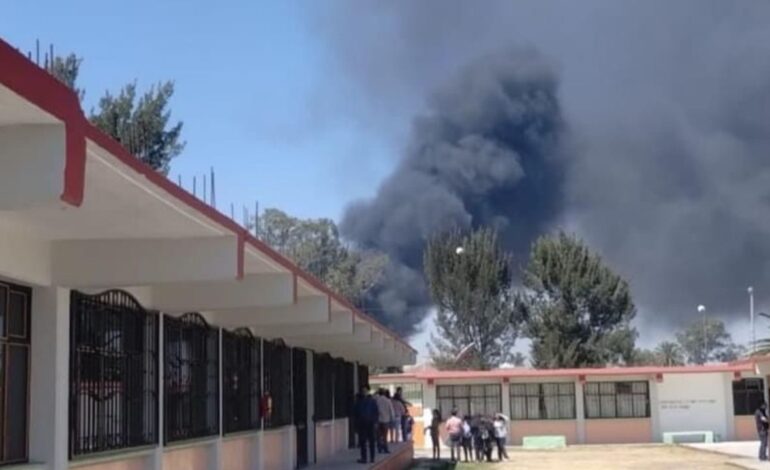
(577, 312)
(469, 277)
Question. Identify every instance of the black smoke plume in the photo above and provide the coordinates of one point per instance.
(485, 153)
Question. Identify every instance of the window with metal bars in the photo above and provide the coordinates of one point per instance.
(190, 378)
(278, 377)
(241, 380)
(113, 373)
(543, 401)
(323, 388)
(748, 395)
(363, 376)
(471, 400)
(343, 388)
(617, 400)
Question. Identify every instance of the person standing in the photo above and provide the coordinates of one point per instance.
(399, 395)
(397, 427)
(467, 441)
(501, 435)
(760, 418)
(385, 417)
(433, 430)
(476, 437)
(454, 429)
(365, 415)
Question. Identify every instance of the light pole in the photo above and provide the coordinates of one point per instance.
(702, 309)
(751, 315)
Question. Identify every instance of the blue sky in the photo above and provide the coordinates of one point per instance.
(257, 90)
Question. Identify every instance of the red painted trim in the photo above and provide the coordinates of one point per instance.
(737, 375)
(659, 378)
(74, 164)
(40, 88)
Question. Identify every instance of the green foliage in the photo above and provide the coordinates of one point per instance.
(66, 70)
(472, 293)
(666, 354)
(142, 125)
(315, 245)
(577, 312)
(708, 340)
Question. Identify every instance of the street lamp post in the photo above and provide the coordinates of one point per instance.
(702, 309)
(751, 315)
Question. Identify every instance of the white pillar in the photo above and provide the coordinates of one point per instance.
(49, 377)
(727, 378)
(429, 403)
(654, 411)
(310, 410)
(580, 414)
(157, 456)
(505, 395)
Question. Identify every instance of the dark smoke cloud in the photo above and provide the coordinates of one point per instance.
(484, 154)
(668, 107)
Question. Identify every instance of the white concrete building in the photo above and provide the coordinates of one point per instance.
(142, 329)
(597, 406)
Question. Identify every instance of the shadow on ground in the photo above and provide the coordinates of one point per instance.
(429, 464)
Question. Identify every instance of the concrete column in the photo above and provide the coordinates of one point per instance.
(580, 414)
(505, 396)
(49, 377)
(429, 403)
(654, 411)
(310, 410)
(157, 456)
(727, 378)
(216, 449)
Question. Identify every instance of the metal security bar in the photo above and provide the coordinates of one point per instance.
(191, 378)
(14, 372)
(278, 378)
(241, 380)
(113, 373)
(323, 388)
(343, 388)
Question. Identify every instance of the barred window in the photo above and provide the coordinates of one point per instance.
(343, 389)
(113, 373)
(323, 386)
(363, 376)
(617, 400)
(469, 399)
(241, 380)
(411, 392)
(543, 401)
(277, 376)
(748, 395)
(191, 377)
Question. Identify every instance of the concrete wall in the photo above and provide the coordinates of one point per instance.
(618, 431)
(559, 427)
(694, 402)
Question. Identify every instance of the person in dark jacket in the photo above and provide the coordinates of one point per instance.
(365, 416)
(760, 418)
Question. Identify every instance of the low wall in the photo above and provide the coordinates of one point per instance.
(238, 453)
(618, 431)
(188, 458)
(139, 463)
(279, 448)
(553, 427)
(745, 428)
(330, 437)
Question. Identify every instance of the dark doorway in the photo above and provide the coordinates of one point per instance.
(299, 387)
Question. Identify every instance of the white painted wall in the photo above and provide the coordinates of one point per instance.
(32, 159)
(691, 402)
(23, 257)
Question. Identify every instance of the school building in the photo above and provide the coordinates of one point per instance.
(596, 406)
(142, 329)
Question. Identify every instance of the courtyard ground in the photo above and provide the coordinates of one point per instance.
(602, 457)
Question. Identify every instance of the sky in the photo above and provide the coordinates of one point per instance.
(251, 86)
(309, 106)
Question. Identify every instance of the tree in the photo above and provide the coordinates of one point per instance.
(315, 245)
(141, 125)
(66, 70)
(471, 288)
(576, 311)
(707, 340)
(669, 354)
(645, 357)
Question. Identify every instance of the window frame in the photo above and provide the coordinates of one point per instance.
(457, 396)
(241, 362)
(615, 394)
(541, 398)
(746, 392)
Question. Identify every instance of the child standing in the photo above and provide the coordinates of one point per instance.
(467, 438)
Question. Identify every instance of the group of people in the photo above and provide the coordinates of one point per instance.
(380, 419)
(476, 436)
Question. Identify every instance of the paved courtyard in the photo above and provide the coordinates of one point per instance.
(610, 457)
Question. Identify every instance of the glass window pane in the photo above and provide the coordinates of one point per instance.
(607, 406)
(567, 389)
(639, 387)
(18, 362)
(518, 407)
(533, 390)
(518, 389)
(592, 388)
(477, 390)
(533, 407)
(593, 406)
(17, 314)
(566, 407)
(607, 388)
(493, 390)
